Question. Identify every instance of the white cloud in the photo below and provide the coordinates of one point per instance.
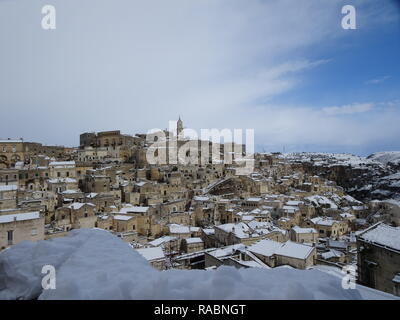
(134, 65)
(298, 126)
(348, 109)
(377, 80)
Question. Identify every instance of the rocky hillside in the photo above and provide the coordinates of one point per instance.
(387, 158)
(365, 178)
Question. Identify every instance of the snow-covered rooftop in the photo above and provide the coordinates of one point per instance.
(159, 241)
(122, 217)
(62, 164)
(8, 188)
(324, 221)
(151, 254)
(178, 228)
(78, 205)
(384, 235)
(297, 229)
(193, 240)
(295, 250)
(19, 217)
(134, 209)
(201, 198)
(288, 249)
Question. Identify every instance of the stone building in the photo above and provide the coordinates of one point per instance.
(378, 261)
(8, 177)
(328, 227)
(276, 254)
(12, 151)
(8, 197)
(307, 235)
(190, 245)
(155, 256)
(76, 215)
(18, 227)
(62, 169)
(105, 139)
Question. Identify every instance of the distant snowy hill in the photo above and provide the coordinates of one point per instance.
(386, 157)
(365, 178)
(94, 264)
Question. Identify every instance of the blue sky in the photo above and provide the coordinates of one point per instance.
(284, 68)
(358, 59)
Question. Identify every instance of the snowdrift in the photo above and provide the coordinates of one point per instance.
(94, 264)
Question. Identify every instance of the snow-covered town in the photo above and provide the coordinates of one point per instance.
(212, 155)
(301, 215)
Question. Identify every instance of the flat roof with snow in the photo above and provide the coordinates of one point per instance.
(304, 230)
(177, 228)
(134, 209)
(193, 240)
(162, 240)
(8, 188)
(151, 254)
(383, 235)
(288, 249)
(19, 217)
(123, 217)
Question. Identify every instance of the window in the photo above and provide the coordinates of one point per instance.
(67, 173)
(34, 232)
(58, 174)
(10, 237)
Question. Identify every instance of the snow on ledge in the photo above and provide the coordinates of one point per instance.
(94, 264)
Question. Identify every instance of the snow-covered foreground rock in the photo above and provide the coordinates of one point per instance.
(94, 264)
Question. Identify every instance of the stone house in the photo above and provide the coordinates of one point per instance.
(62, 169)
(8, 197)
(12, 151)
(75, 216)
(290, 253)
(378, 261)
(155, 256)
(18, 227)
(328, 227)
(170, 245)
(124, 223)
(303, 235)
(190, 245)
(9, 177)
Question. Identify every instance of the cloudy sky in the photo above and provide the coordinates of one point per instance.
(283, 67)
